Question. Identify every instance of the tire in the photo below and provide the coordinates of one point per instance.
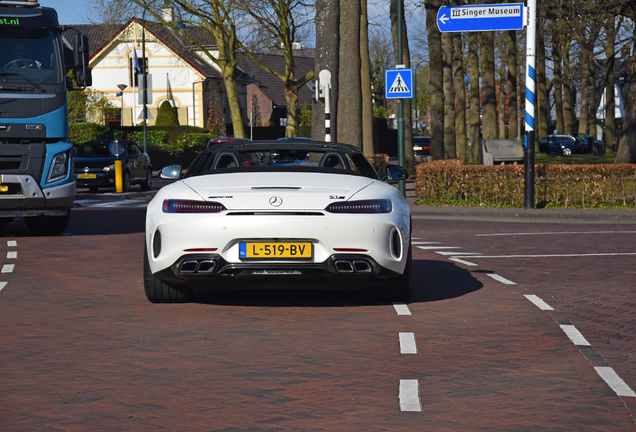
(401, 288)
(158, 291)
(47, 225)
(126, 181)
(567, 152)
(147, 183)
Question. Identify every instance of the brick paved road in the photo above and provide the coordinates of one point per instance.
(82, 350)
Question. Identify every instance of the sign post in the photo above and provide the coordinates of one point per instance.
(398, 84)
(528, 162)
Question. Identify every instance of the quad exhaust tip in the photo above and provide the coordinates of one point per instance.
(352, 266)
(197, 266)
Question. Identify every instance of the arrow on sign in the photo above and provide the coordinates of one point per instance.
(443, 19)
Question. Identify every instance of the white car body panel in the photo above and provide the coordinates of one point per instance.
(370, 232)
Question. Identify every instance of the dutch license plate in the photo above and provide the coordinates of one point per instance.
(270, 250)
(86, 176)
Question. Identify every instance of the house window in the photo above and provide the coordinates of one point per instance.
(283, 121)
(134, 75)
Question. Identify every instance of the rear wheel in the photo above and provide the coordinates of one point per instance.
(147, 183)
(567, 152)
(158, 291)
(401, 288)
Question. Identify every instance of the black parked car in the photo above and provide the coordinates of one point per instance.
(421, 146)
(589, 143)
(561, 144)
(95, 164)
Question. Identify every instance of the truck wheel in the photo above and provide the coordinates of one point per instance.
(47, 225)
(158, 291)
(147, 183)
(126, 185)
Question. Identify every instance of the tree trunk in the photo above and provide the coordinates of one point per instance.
(233, 101)
(326, 54)
(567, 90)
(365, 82)
(409, 157)
(558, 86)
(435, 80)
(541, 92)
(591, 88)
(627, 147)
(460, 95)
(474, 119)
(488, 97)
(450, 150)
(501, 112)
(350, 100)
(609, 137)
(585, 95)
(512, 84)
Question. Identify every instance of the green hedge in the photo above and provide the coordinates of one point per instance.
(450, 183)
(82, 132)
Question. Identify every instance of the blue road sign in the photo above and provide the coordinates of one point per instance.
(398, 84)
(505, 16)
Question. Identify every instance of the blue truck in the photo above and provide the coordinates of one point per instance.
(36, 156)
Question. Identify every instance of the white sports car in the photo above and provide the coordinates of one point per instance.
(265, 214)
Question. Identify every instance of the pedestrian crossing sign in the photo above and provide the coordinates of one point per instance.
(398, 84)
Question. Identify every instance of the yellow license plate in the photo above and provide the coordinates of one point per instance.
(273, 250)
(86, 176)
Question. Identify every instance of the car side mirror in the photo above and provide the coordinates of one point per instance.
(396, 172)
(172, 172)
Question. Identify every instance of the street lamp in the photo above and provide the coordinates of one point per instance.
(122, 87)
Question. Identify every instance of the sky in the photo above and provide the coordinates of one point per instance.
(68, 11)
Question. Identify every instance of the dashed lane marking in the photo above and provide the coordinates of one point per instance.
(7, 268)
(438, 247)
(12, 255)
(556, 233)
(463, 262)
(538, 302)
(575, 336)
(423, 242)
(549, 256)
(12, 243)
(457, 253)
(3, 284)
(501, 279)
(409, 395)
(401, 308)
(407, 343)
(614, 381)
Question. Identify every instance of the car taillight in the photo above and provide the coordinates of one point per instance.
(368, 206)
(178, 206)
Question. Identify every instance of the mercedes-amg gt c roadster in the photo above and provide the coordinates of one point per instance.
(278, 214)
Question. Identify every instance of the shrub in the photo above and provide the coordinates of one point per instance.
(180, 152)
(451, 183)
(166, 115)
(82, 132)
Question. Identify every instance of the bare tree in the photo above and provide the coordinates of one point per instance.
(435, 80)
(488, 99)
(365, 82)
(327, 45)
(280, 20)
(460, 96)
(450, 150)
(474, 110)
(513, 70)
(350, 100)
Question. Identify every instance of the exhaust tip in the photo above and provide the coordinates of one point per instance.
(361, 266)
(343, 266)
(206, 266)
(188, 266)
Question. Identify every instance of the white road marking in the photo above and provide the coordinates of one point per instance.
(457, 253)
(423, 242)
(438, 247)
(550, 256)
(12, 243)
(12, 255)
(3, 284)
(463, 262)
(7, 268)
(503, 280)
(575, 336)
(410, 395)
(539, 303)
(614, 381)
(407, 343)
(401, 308)
(556, 233)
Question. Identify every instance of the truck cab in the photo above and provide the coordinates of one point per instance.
(36, 156)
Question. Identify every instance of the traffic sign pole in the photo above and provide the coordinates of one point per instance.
(402, 184)
(528, 163)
